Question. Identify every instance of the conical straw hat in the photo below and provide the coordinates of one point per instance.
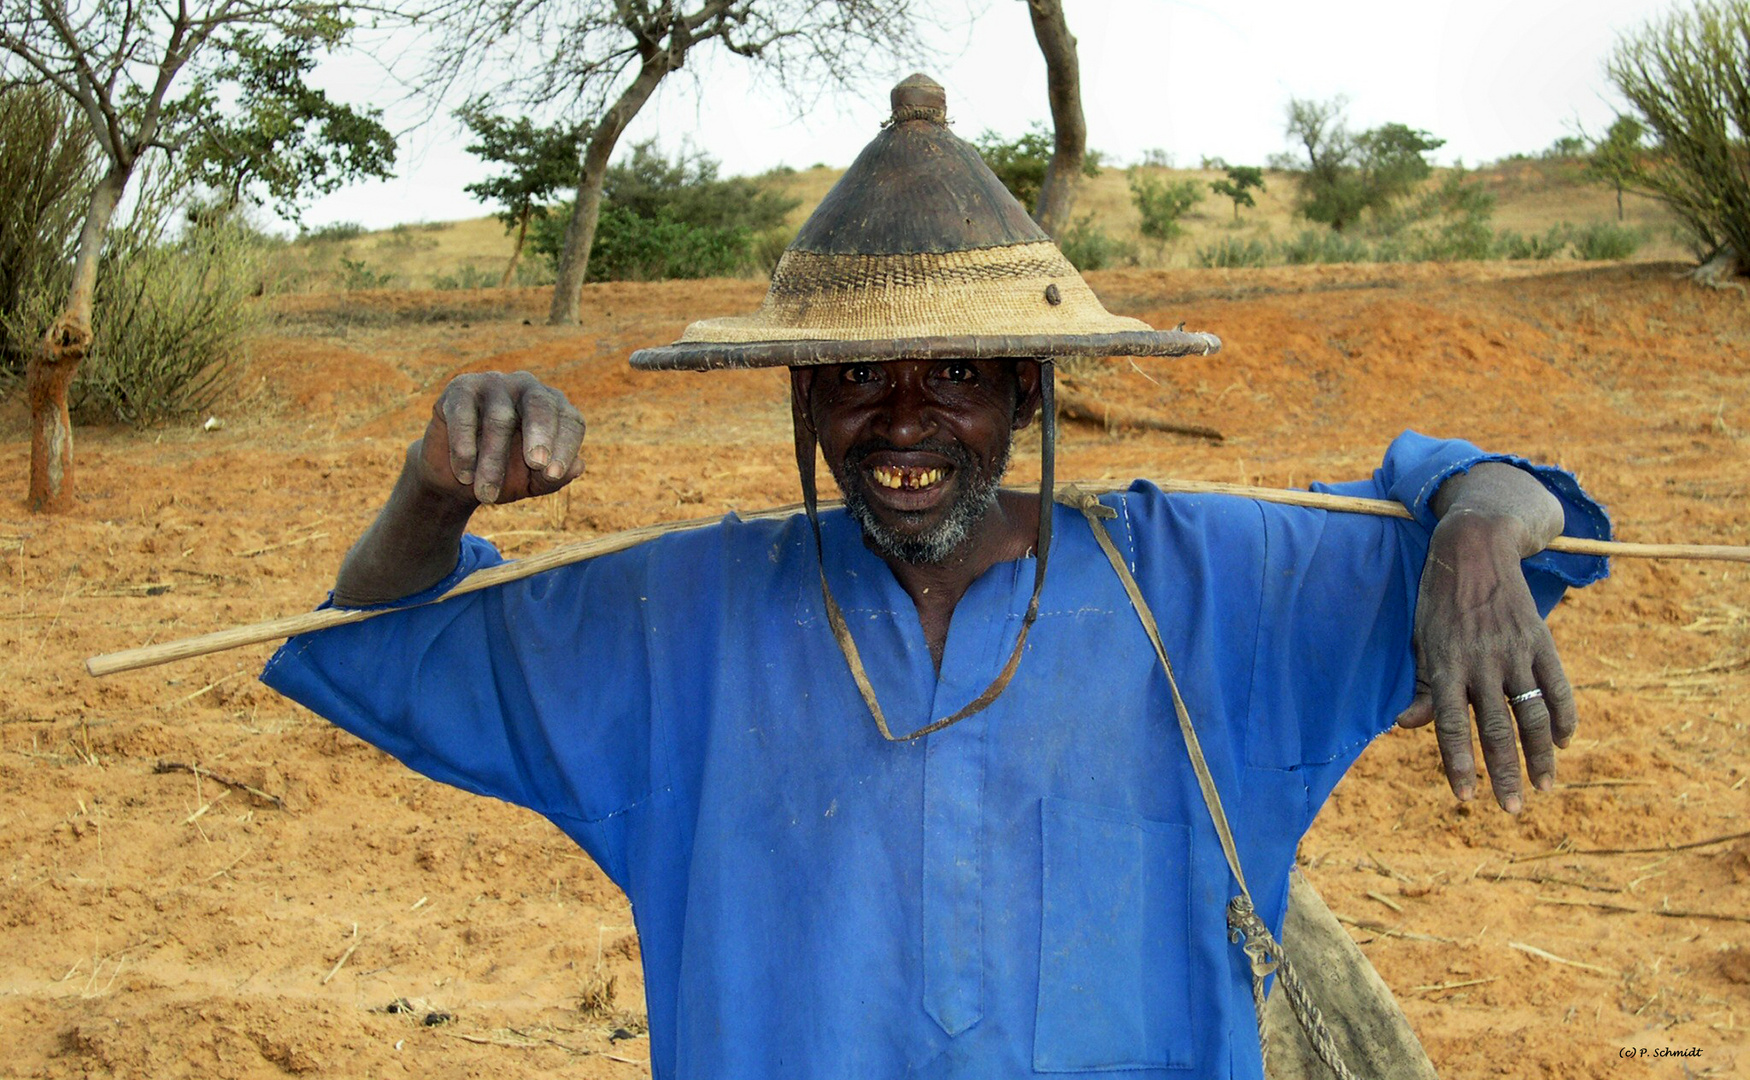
(919, 252)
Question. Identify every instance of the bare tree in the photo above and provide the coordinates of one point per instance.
(1063, 81)
(117, 62)
(600, 61)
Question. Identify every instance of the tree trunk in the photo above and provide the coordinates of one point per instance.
(1063, 81)
(522, 232)
(580, 230)
(1619, 203)
(55, 362)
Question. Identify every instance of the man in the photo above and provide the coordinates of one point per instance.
(888, 798)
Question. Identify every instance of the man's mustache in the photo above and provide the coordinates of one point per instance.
(862, 451)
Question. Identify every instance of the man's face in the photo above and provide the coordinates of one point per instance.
(918, 447)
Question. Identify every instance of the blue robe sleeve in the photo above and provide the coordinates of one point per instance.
(1334, 665)
(536, 692)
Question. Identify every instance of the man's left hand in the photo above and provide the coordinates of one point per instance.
(1481, 645)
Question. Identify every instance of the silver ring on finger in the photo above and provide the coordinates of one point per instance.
(1530, 695)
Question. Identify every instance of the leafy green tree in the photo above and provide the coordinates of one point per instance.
(1021, 163)
(1616, 158)
(1241, 179)
(1687, 76)
(1566, 148)
(539, 162)
(671, 218)
(1161, 204)
(246, 122)
(605, 59)
(278, 141)
(1343, 175)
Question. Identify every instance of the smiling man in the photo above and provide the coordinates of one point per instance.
(888, 797)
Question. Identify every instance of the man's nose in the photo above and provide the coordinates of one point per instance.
(907, 413)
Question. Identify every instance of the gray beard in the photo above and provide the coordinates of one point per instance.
(976, 498)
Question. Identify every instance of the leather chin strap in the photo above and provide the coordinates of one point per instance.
(841, 632)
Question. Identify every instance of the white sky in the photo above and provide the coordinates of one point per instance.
(1192, 77)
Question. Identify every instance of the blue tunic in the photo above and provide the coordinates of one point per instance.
(1035, 890)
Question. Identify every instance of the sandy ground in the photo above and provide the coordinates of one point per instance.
(321, 911)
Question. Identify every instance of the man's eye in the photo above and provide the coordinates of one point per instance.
(959, 373)
(860, 373)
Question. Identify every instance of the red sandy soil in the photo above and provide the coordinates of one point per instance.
(159, 923)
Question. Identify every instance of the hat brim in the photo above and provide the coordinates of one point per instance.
(715, 356)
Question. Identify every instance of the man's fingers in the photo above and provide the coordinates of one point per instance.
(1421, 710)
(564, 464)
(498, 427)
(540, 426)
(1495, 730)
(1558, 695)
(1452, 732)
(462, 419)
(1535, 741)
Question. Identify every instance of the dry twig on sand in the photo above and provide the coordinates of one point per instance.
(1669, 913)
(1533, 950)
(1373, 927)
(199, 771)
(1560, 851)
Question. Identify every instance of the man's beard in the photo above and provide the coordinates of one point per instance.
(976, 496)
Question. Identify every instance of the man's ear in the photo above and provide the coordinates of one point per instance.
(1027, 392)
(801, 386)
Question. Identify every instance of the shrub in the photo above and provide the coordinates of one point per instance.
(1229, 251)
(1021, 163)
(1509, 244)
(672, 219)
(171, 317)
(633, 248)
(333, 232)
(1324, 246)
(46, 167)
(358, 274)
(1604, 240)
(467, 276)
(1162, 204)
(1089, 247)
(1685, 75)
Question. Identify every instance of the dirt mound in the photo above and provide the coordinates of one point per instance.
(201, 879)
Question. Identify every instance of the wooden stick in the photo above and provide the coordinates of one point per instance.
(1558, 852)
(1669, 913)
(292, 625)
(198, 771)
(1372, 927)
(344, 957)
(1108, 416)
(1452, 985)
(1554, 959)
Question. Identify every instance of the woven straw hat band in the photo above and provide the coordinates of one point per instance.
(1018, 289)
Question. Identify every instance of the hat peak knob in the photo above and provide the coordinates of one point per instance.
(919, 97)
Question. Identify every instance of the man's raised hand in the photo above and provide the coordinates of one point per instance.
(497, 438)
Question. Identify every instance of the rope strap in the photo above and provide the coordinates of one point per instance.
(1245, 928)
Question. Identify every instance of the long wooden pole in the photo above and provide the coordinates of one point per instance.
(292, 625)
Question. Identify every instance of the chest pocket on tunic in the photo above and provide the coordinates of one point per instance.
(1114, 954)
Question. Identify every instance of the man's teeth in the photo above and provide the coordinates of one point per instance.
(906, 477)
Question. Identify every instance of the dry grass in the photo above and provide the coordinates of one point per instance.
(1531, 196)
